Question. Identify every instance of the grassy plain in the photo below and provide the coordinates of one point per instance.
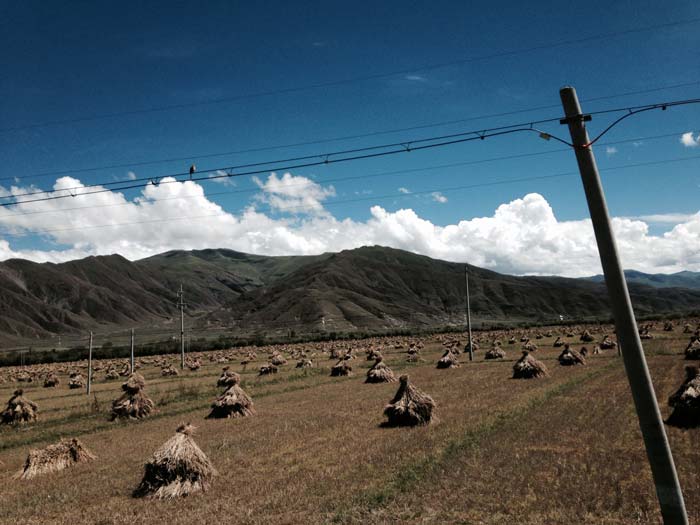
(564, 449)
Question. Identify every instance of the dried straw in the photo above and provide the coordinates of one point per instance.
(178, 468)
(53, 458)
(409, 407)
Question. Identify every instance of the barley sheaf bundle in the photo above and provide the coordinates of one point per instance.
(527, 367)
(178, 468)
(234, 402)
(448, 360)
(19, 409)
(686, 401)
(133, 403)
(380, 372)
(409, 407)
(53, 458)
(569, 357)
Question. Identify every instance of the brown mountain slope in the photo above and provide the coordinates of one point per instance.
(381, 287)
(40, 300)
(368, 288)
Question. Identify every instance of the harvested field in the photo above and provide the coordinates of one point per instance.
(563, 449)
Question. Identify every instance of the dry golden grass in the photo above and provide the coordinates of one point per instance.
(562, 449)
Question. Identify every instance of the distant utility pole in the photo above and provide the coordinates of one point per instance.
(668, 488)
(131, 363)
(89, 385)
(181, 304)
(469, 314)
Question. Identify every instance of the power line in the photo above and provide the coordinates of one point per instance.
(635, 110)
(337, 139)
(343, 179)
(325, 158)
(358, 199)
(366, 153)
(362, 78)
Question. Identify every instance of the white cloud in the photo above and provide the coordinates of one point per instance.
(610, 150)
(404, 190)
(689, 141)
(220, 177)
(665, 218)
(130, 175)
(521, 237)
(438, 197)
(293, 194)
(416, 78)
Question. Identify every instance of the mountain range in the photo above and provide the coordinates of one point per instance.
(369, 288)
(660, 280)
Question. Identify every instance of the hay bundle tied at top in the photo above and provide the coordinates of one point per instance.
(53, 458)
(410, 406)
(51, 381)
(76, 381)
(686, 401)
(133, 403)
(569, 357)
(495, 352)
(267, 369)
(178, 468)
(692, 351)
(586, 337)
(448, 360)
(228, 378)
(527, 367)
(380, 372)
(305, 363)
(341, 368)
(19, 409)
(278, 359)
(607, 344)
(234, 402)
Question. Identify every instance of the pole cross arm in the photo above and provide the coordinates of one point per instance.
(575, 118)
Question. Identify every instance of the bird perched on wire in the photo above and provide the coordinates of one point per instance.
(193, 168)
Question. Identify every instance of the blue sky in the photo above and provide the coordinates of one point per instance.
(86, 59)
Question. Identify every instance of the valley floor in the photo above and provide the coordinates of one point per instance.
(559, 450)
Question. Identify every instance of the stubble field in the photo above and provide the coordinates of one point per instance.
(561, 449)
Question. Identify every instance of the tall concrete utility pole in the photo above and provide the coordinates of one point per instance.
(469, 314)
(89, 385)
(131, 362)
(181, 305)
(668, 489)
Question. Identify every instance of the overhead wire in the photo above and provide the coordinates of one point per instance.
(343, 179)
(335, 139)
(352, 200)
(325, 158)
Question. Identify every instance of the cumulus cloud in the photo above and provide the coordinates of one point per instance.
(689, 141)
(523, 236)
(404, 190)
(221, 177)
(293, 194)
(610, 150)
(438, 197)
(666, 218)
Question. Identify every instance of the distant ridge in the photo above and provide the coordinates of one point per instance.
(369, 288)
(683, 279)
